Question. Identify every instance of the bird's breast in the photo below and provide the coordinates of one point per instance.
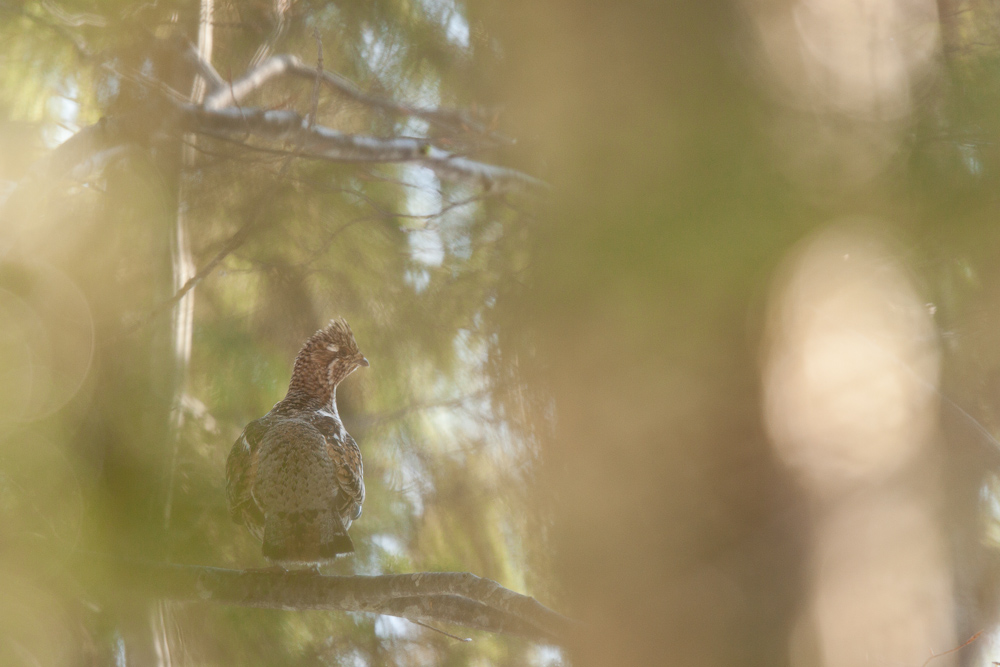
(294, 470)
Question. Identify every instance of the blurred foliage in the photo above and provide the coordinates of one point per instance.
(565, 399)
(691, 148)
(90, 470)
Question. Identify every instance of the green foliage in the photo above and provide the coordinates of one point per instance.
(446, 466)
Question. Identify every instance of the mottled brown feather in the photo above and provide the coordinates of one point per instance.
(283, 502)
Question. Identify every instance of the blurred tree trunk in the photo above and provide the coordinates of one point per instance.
(676, 531)
(182, 261)
(948, 19)
(182, 323)
(146, 624)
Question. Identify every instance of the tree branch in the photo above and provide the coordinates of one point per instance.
(216, 117)
(329, 144)
(92, 147)
(234, 242)
(460, 598)
(290, 65)
(213, 80)
(369, 420)
(77, 41)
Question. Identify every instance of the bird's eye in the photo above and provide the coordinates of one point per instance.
(333, 348)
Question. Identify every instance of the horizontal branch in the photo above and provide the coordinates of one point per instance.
(290, 65)
(217, 117)
(329, 144)
(460, 598)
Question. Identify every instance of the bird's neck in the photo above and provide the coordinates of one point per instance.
(331, 405)
(311, 389)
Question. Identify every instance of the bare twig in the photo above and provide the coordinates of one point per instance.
(319, 75)
(74, 19)
(76, 40)
(234, 242)
(367, 421)
(953, 650)
(142, 79)
(248, 83)
(292, 66)
(329, 144)
(393, 215)
(446, 634)
(240, 109)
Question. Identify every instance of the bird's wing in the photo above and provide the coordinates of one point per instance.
(241, 475)
(351, 475)
(346, 458)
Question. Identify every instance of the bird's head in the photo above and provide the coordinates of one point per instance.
(329, 356)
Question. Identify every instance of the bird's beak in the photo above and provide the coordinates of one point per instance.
(363, 362)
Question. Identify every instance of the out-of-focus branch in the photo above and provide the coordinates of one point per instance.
(290, 65)
(234, 242)
(213, 80)
(93, 146)
(429, 597)
(367, 421)
(74, 19)
(237, 91)
(82, 50)
(217, 116)
(329, 144)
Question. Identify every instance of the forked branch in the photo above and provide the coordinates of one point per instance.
(292, 66)
(329, 144)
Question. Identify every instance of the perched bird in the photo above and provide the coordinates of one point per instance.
(294, 475)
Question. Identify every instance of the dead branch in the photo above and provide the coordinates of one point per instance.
(221, 115)
(290, 65)
(288, 126)
(459, 598)
(213, 80)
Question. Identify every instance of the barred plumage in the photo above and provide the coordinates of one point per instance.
(295, 477)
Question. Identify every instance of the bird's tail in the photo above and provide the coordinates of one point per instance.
(305, 536)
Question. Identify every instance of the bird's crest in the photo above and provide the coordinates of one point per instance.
(336, 337)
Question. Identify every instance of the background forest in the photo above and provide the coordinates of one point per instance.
(682, 319)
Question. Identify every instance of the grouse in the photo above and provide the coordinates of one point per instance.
(294, 476)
